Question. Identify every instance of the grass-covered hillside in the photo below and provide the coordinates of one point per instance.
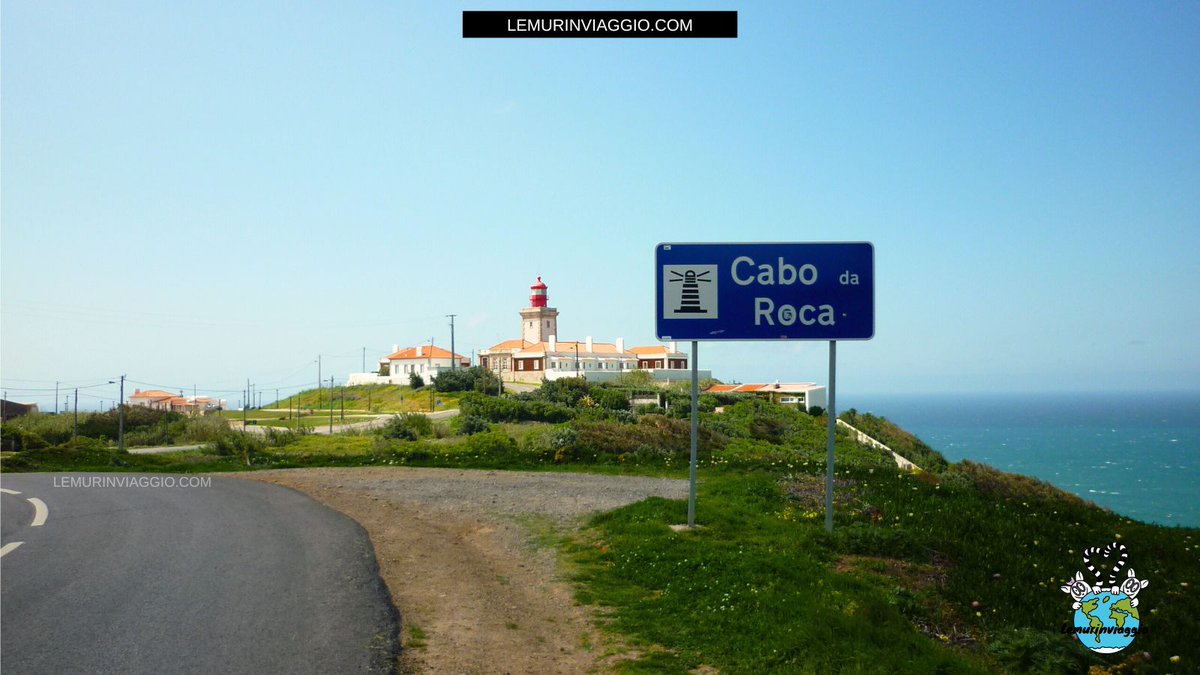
(954, 569)
(369, 398)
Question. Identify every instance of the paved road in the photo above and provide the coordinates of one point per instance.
(235, 577)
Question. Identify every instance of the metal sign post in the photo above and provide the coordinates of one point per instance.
(831, 429)
(695, 434)
(765, 291)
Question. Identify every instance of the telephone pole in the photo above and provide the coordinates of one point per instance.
(75, 429)
(56, 397)
(318, 381)
(453, 357)
(245, 404)
(121, 418)
(331, 404)
(364, 369)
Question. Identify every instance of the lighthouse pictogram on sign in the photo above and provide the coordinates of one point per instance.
(690, 291)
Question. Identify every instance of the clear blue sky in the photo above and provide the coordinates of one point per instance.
(201, 193)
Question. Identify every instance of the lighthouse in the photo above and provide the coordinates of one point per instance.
(538, 322)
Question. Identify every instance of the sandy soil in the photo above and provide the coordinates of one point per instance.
(459, 552)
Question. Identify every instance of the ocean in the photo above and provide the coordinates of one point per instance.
(1137, 454)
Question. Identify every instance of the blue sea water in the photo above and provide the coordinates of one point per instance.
(1137, 454)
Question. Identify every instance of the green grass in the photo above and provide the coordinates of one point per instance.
(750, 592)
(955, 571)
(892, 589)
(372, 398)
(315, 421)
(343, 445)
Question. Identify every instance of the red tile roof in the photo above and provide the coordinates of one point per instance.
(510, 344)
(423, 352)
(154, 394)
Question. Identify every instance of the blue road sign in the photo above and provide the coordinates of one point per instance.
(759, 291)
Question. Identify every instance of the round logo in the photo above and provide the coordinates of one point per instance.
(1106, 622)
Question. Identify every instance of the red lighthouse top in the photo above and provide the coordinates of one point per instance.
(537, 294)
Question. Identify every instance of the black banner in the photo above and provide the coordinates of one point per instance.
(507, 24)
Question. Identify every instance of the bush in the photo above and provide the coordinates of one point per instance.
(653, 434)
(491, 443)
(1027, 650)
(415, 381)
(509, 409)
(235, 444)
(203, 429)
(137, 418)
(470, 424)
(407, 427)
(14, 439)
(467, 379)
(816, 411)
(610, 399)
(567, 391)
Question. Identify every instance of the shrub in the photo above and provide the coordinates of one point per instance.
(653, 434)
(509, 409)
(14, 438)
(415, 381)
(137, 418)
(491, 443)
(234, 444)
(467, 379)
(486, 382)
(566, 391)
(470, 424)
(610, 399)
(407, 427)
(1027, 650)
(203, 429)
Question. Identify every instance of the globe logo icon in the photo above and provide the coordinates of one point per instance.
(1106, 622)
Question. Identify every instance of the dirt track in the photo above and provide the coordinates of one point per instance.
(458, 550)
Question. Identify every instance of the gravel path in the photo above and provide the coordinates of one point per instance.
(459, 552)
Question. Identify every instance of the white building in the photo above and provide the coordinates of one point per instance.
(803, 395)
(539, 354)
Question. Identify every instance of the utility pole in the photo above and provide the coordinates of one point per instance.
(453, 357)
(364, 367)
(121, 418)
(342, 391)
(276, 398)
(246, 404)
(429, 370)
(330, 404)
(56, 397)
(318, 381)
(75, 429)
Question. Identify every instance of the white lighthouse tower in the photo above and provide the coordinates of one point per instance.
(538, 322)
